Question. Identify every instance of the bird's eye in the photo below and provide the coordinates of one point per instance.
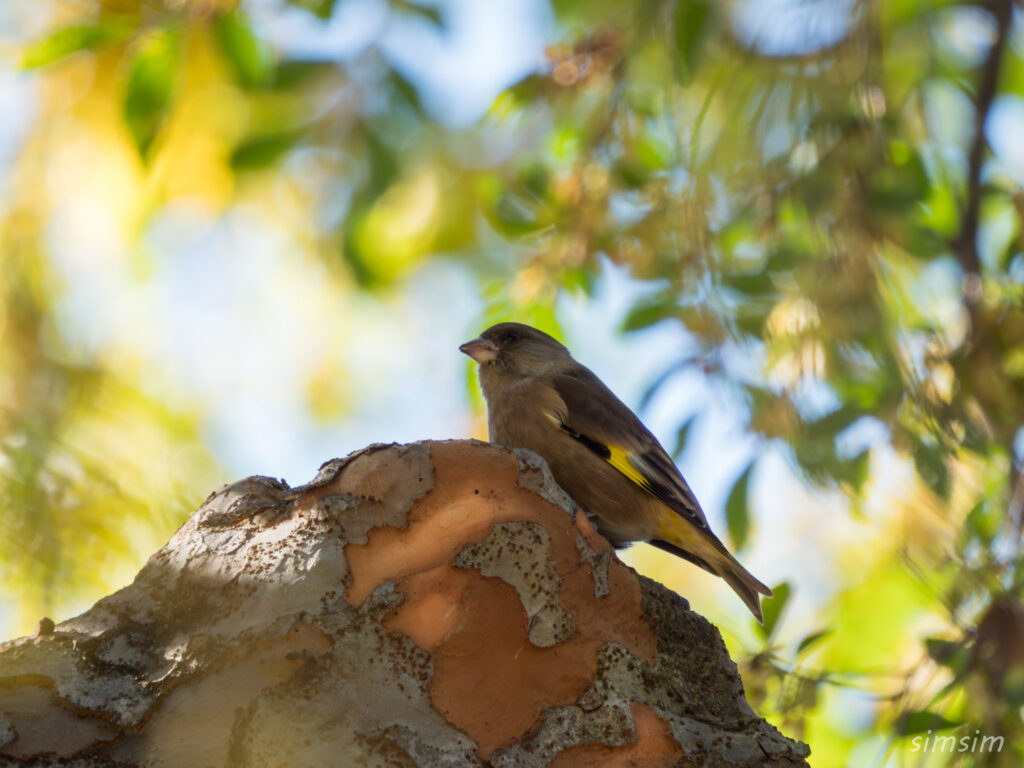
(512, 337)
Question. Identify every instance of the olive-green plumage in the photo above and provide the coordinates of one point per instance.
(540, 398)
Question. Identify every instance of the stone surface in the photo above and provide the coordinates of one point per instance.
(435, 604)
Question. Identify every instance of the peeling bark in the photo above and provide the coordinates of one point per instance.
(434, 604)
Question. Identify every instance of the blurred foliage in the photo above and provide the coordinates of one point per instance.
(93, 471)
(821, 212)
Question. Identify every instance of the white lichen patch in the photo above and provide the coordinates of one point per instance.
(520, 554)
(598, 563)
(385, 484)
(535, 475)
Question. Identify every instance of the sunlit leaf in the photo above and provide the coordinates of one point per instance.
(579, 280)
(737, 508)
(691, 21)
(1013, 687)
(431, 13)
(262, 151)
(631, 172)
(930, 462)
(153, 70)
(249, 56)
(398, 230)
(382, 169)
(897, 185)
(653, 153)
(648, 312)
(74, 38)
(856, 470)
(536, 179)
(682, 435)
(320, 8)
(408, 91)
(922, 721)
(812, 639)
(948, 653)
(750, 283)
(773, 608)
(984, 521)
(297, 74)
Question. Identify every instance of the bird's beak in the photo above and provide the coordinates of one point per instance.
(481, 350)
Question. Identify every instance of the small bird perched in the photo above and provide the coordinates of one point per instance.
(540, 398)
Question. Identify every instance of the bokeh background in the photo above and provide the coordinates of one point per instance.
(244, 238)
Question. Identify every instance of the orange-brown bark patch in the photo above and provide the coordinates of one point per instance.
(489, 680)
(594, 539)
(654, 747)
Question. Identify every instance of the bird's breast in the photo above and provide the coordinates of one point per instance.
(617, 506)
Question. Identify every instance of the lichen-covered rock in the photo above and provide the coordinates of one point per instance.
(435, 604)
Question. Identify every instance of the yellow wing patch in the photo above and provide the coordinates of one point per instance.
(619, 458)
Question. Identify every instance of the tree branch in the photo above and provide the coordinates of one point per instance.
(966, 244)
(440, 603)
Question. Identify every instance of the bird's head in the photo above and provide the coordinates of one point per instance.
(514, 350)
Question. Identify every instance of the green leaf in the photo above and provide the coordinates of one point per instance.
(74, 38)
(652, 153)
(857, 470)
(406, 90)
(984, 521)
(430, 13)
(1013, 687)
(152, 74)
(631, 172)
(922, 721)
(250, 58)
(682, 436)
(293, 74)
(930, 462)
(655, 386)
(537, 180)
(773, 609)
(514, 215)
(579, 280)
(261, 151)
(382, 170)
(753, 284)
(320, 8)
(646, 313)
(812, 639)
(896, 186)
(948, 653)
(785, 258)
(692, 21)
(737, 508)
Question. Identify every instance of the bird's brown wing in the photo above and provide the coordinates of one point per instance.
(599, 420)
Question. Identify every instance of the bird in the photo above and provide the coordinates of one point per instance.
(540, 398)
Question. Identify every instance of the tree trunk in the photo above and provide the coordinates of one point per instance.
(433, 604)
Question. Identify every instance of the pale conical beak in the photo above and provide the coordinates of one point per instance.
(481, 350)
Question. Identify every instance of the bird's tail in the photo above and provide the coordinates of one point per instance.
(702, 547)
(746, 586)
